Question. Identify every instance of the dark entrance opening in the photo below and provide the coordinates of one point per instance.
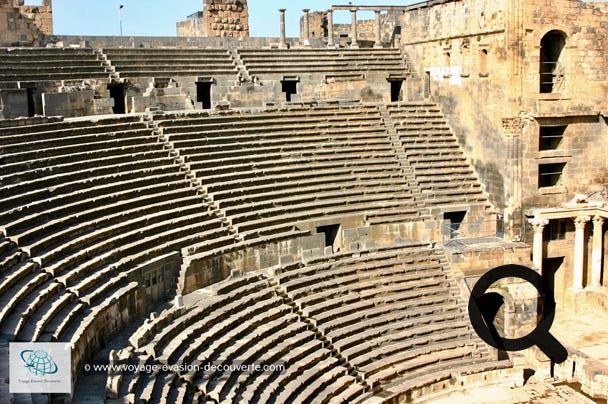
(549, 273)
(551, 71)
(203, 93)
(453, 221)
(117, 92)
(550, 267)
(396, 86)
(331, 232)
(31, 101)
(427, 85)
(289, 87)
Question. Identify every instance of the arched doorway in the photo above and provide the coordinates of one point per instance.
(551, 67)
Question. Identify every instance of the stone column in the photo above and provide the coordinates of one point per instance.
(378, 43)
(282, 43)
(306, 28)
(579, 250)
(537, 247)
(330, 28)
(353, 28)
(598, 251)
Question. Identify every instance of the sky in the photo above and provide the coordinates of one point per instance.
(158, 17)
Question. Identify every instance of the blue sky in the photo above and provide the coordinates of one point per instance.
(158, 17)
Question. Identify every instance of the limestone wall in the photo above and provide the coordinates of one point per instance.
(481, 60)
(167, 42)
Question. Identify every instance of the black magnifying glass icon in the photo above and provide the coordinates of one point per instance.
(540, 336)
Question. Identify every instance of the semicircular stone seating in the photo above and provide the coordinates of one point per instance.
(344, 327)
(268, 171)
(87, 202)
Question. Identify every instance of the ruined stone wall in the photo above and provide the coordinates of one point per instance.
(481, 61)
(366, 29)
(318, 27)
(317, 22)
(194, 26)
(24, 25)
(42, 16)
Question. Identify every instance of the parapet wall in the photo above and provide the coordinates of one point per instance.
(167, 41)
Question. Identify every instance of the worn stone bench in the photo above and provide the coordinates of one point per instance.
(21, 289)
(351, 336)
(43, 237)
(404, 338)
(380, 306)
(170, 344)
(33, 202)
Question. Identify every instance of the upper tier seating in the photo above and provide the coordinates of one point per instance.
(139, 62)
(344, 326)
(50, 64)
(441, 168)
(267, 171)
(322, 61)
(88, 201)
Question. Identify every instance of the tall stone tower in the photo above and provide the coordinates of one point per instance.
(220, 18)
(226, 18)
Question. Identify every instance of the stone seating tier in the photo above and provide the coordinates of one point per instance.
(224, 153)
(81, 215)
(276, 62)
(251, 318)
(170, 62)
(50, 64)
(440, 167)
(85, 223)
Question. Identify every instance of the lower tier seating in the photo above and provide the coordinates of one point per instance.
(341, 327)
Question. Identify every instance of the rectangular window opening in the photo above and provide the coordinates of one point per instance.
(550, 137)
(550, 175)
